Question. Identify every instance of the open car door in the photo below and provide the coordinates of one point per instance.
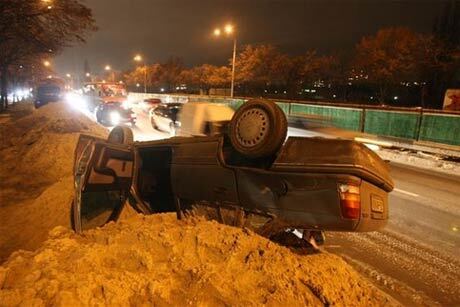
(103, 174)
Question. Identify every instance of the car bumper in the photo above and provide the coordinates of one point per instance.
(311, 201)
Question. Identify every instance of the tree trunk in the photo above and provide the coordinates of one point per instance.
(382, 93)
(3, 89)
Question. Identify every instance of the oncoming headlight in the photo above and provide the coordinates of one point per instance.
(115, 118)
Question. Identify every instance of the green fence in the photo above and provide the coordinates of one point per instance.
(346, 118)
(391, 123)
(441, 128)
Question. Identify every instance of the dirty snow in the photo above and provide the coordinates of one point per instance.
(421, 160)
(141, 260)
(160, 260)
(36, 156)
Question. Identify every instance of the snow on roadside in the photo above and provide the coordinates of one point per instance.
(36, 155)
(158, 260)
(420, 160)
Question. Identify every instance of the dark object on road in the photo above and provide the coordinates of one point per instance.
(164, 117)
(312, 184)
(46, 92)
(114, 113)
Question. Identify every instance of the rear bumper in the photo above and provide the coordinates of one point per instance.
(310, 201)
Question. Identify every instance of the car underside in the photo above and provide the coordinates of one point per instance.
(311, 184)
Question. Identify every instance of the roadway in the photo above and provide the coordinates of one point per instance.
(416, 257)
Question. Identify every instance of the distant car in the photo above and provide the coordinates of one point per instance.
(204, 118)
(47, 91)
(164, 117)
(114, 113)
(248, 177)
(147, 104)
(98, 93)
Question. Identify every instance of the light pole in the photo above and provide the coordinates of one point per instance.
(112, 75)
(138, 58)
(229, 30)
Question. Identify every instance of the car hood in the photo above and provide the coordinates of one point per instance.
(321, 155)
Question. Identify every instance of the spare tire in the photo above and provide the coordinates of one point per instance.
(121, 135)
(258, 128)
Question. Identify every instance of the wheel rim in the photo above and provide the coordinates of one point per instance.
(252, 127)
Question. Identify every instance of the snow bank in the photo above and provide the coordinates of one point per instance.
(36, 154)
(421, 160)
(158, 260)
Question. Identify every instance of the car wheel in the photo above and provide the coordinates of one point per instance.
(121, 135)
(258, 128)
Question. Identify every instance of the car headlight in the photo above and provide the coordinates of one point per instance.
(115, 118)
(125, 105)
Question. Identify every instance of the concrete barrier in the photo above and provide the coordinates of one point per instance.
(412, 124)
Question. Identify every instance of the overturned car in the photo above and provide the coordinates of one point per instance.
(248, 175)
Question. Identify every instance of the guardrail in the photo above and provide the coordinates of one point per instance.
(404, 123)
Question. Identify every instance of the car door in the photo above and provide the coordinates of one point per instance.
(102, 179)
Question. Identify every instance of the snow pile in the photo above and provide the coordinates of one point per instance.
(422, 160)
(36, 154)
(158, 260)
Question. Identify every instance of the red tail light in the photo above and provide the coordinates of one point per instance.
(350, 201)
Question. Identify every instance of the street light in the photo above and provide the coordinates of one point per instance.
(230, 30)
(46, 63)
(109, 68)
(138, 58)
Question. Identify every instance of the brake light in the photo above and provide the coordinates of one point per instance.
(350, 201)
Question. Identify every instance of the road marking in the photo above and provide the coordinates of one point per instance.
(405, 192)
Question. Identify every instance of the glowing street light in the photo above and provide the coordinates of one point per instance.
(230, 30)
(68, 75)
(46, 63)
(88, 74)
(108, 68)
(138, 58)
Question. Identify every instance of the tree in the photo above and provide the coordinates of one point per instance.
(261, 66)
(169, 73)
(150, 72)
(34, 29)
(440, 68)
(388, 58)
(207, 76)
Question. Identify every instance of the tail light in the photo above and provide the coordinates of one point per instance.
(350, 201)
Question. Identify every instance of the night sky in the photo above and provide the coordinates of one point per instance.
(162, 28)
